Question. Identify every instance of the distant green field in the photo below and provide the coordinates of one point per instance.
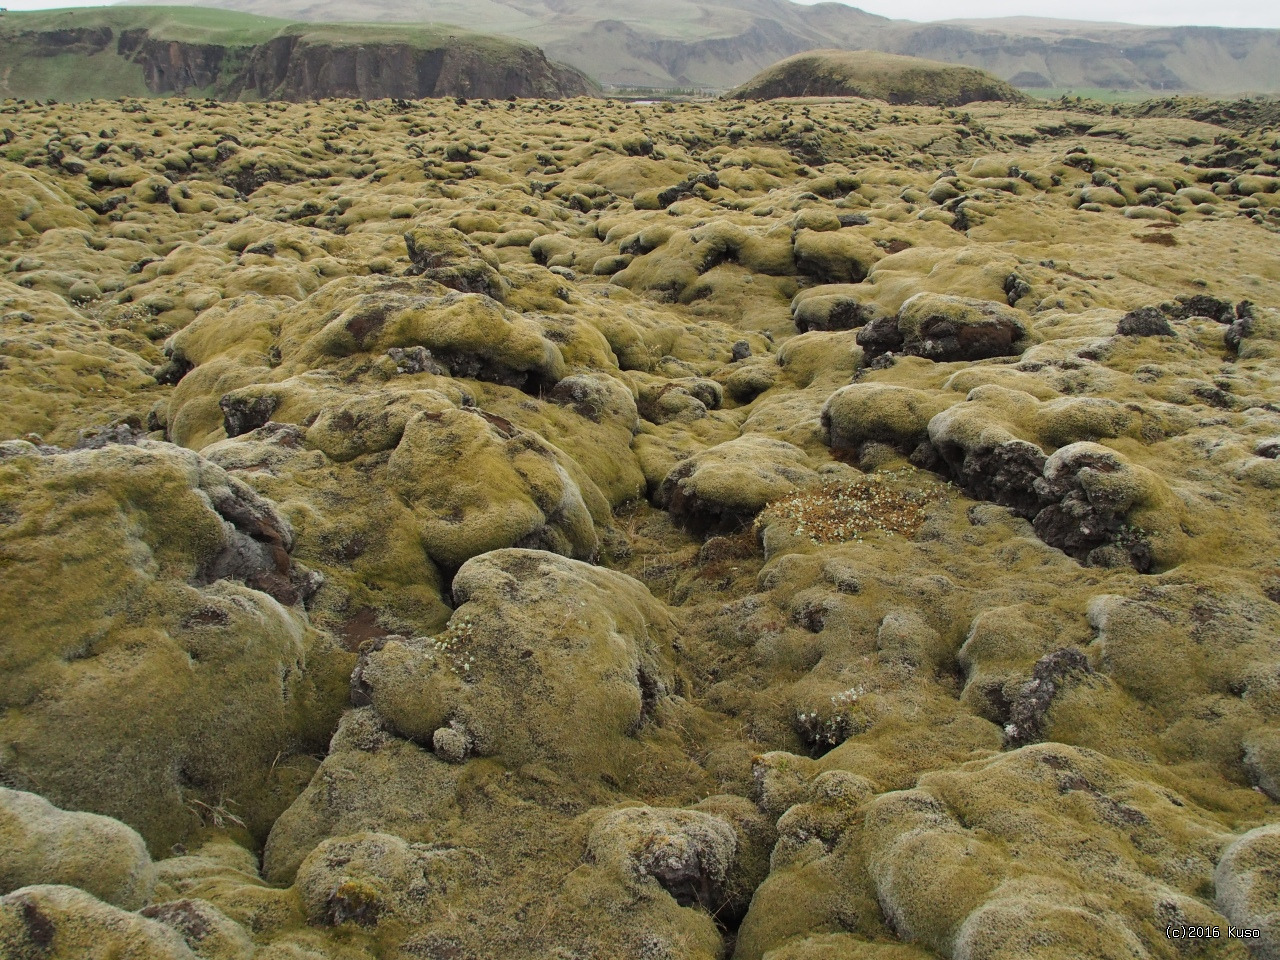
(1100, 94)
(231, 29)
(194, 24)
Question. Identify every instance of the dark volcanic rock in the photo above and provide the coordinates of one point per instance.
(1144, 322)
(240, 414)
(1202, 305)
(1006, 474)
(880, 336)
(1080, 523)
(944, 328)
(1242, 327)
(1030, 708)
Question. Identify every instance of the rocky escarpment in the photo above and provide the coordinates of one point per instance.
(296, 67)
(717, 44)
(295, 63)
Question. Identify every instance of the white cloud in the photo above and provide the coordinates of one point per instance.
(1244, 13)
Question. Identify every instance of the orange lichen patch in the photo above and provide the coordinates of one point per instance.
(891, 502)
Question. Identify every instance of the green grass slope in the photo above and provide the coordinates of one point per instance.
(875, 76)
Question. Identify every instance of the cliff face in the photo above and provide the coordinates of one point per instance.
(295, 66)
(169, 66)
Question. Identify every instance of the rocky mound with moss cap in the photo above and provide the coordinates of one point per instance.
(585, 530)
(875, 75)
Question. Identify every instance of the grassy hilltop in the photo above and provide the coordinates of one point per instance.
(569, 529)
(875, 75)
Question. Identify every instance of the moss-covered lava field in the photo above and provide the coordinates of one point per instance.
(531, 529)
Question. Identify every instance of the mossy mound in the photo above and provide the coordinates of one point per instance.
(62, 921)
(876, 76)
(97, 854)
(730, 483)
(463, 692)
(168, 572)
(1247, 890)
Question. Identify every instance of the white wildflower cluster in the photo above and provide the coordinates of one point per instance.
(892, 502)
(452, 646)
(838, 725)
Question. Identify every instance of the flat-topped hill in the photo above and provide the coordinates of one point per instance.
(875, 76)
(133, 51)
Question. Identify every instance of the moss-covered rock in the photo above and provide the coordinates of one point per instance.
(833, 311)
(1247, 890)
(878, 413)
(368, 878)
(954, 828)
(687, 852)
(448, 257)
(470, 334)
(97, 854)
(534, 638)
(730, 483)
(523, 491)
(60, 921)
(940, 327)
(183, 597)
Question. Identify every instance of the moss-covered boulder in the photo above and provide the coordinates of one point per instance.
(535, 639)
(944, 328)
(831, 311)
(368, 878)
(730, 483)
(878, 413)
(469, 334)
(156, 654)
(943, 857)
(97, 854)
(1248, 890)
(688, 853)
(518, 489)
(63, 922)
(450, 258)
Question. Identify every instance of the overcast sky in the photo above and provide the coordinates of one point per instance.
(1231, 13)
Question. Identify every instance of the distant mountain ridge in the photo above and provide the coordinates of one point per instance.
(716, 44)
